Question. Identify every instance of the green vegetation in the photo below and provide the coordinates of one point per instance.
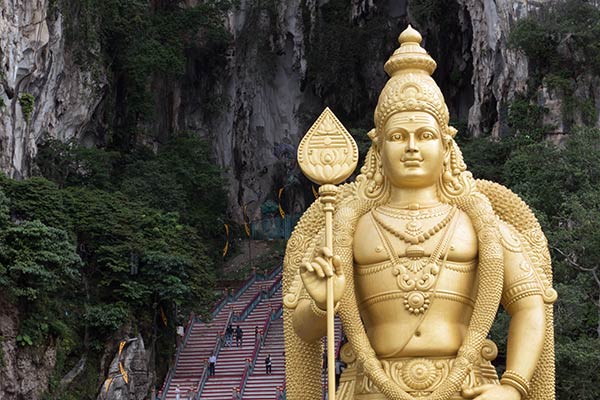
(561, 186)
(559, 182)
(561, 44)
(143, 43)
(104, 238)
(105, 241)
(337, 55)
(27, 102)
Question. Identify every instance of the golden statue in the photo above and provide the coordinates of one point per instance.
(421, 257)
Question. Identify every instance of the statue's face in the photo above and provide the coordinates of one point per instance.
(412, 149)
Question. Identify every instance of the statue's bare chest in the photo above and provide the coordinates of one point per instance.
(395, 268)
(407, 234)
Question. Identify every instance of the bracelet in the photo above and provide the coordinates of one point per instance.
(315, 309)
(516, 380)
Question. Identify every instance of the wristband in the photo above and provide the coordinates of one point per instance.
(516, 380)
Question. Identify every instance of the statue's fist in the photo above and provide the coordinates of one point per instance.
(314, 276)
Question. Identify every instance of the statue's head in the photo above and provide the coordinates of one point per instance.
(411, 124)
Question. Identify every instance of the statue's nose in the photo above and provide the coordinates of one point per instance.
(412, 146)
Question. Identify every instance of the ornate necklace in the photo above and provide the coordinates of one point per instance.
(414, 214)
(413, 231)
(415, 275)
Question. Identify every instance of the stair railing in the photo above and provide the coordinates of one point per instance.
(250, 306)
(274, 287)
(274, 272)
(215, 351)
(280, 392)
(251, 362)
(247, 283)
(190, 325)
(219, 306)
(278, 313)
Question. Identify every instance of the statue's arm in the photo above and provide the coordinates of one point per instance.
(522, 299)
(310, 316)
(310, 323)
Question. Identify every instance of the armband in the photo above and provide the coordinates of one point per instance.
(516, 380)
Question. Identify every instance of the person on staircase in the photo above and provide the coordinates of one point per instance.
(212, 361)
(268, 365)
(228, 336)
(238, 336)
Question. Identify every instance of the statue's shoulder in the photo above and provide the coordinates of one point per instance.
(365, 222)
(525, 245)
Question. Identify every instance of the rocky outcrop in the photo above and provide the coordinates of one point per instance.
(499, 72)
(42, 90)
(260, 98)
(24, 371)
(273, 102)
(128, 375)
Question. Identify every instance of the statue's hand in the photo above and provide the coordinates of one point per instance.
(492, 392)
(314, 276)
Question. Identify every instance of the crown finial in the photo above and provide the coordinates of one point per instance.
(410, 35)
(410, 55)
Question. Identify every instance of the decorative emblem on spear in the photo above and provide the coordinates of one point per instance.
(327, 156)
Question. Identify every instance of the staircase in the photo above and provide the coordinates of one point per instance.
(239, 370)
(191, 362)
(233, 361)
(204, 339)
(261, 386)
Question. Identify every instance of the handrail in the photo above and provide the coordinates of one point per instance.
(190, 325)
(252, 361)
(280, 392)
(250, 306)
(339, 344)
(265, 327)
(216, 351)
(277, 314)
(218, 306)
(273, 273)
(274, 287)
(247, 283)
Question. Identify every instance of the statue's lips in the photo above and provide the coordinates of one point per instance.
(412, 163)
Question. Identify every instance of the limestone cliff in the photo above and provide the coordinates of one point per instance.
(42, 90)
(287, 60)
(274, 100)
(258, 104)
(24, 371)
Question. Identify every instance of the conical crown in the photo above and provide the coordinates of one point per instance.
(411, 87)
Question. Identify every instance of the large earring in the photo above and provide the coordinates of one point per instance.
(371, 181)
(455, 180)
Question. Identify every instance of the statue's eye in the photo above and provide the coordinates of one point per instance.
(397, 136)
(427, 135)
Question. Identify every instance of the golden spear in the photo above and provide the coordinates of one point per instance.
(327, 156)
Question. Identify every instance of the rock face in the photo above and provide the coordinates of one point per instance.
(258, 103)
(273, 102)
(498, 72)
(133, 359)
(24, 372)
(36, 67)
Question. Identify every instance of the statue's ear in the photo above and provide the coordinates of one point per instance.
(452, 131)
(374, 139)
(372, 135)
